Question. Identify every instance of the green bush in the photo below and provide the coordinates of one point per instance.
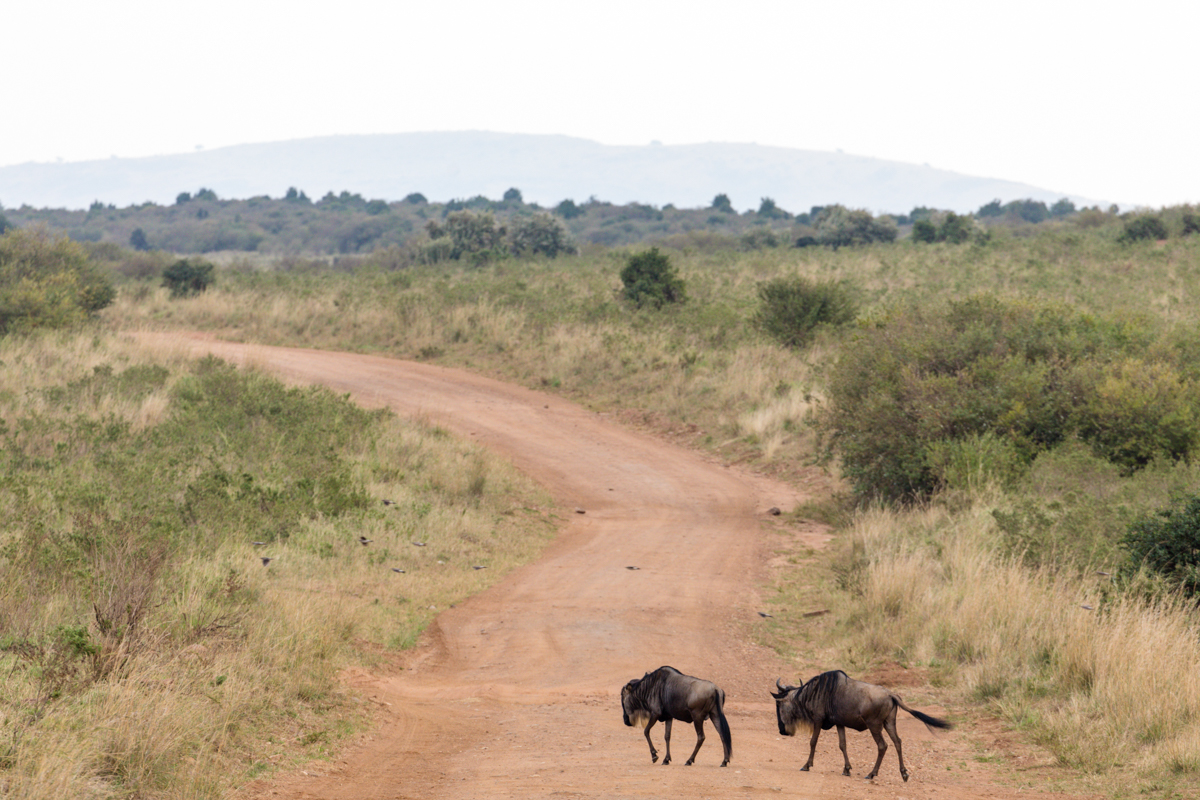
(541, 234)
(956, 229)
(1168, 543)
(188, 276)
(1034, 374)
(838, 226)
(792, 308)
(650, 280)
(1144, 226)
(924, 231)
(722, 203)
(474, 236)
(47, 282)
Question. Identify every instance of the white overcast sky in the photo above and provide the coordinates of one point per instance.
(1095, 99)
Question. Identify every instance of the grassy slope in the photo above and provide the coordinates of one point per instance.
(145, 650)
(937, 581)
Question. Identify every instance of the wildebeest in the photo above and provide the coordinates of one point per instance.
(832, 699)
(667, 694)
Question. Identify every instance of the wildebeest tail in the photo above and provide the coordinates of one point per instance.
(932, 722)
(722, 726)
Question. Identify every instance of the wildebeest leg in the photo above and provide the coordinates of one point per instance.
(699, 741)
(812, 748)
(842, 744)
(890, 726)
(653, 752)
(877, 732)
(667, 737)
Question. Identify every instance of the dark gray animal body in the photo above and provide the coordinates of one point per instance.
(666, 694)
(834, 700)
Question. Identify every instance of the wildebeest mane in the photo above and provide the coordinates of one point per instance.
(815, 700)
(647, 686)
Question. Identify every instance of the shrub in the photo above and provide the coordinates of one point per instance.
(650, 280)
(513, 196)
(838, 226)
(47, 282)
(1191, 222)
(415, 198)
(474, 236)
(1063, 208)
(567, 209)
(1168, 543)
(768, 210)
(1034, 374)
(792, 308)
(1144, 226)
(137, 240)
(541, 234)
(758, 239)
(924, 231)
(956, 229)
(188, 276)
(722, 203)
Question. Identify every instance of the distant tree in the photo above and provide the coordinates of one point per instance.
(955, 229)
(375, 207)
(567, 209)
(992, 209)
(1191, 221)
(137, 240)
(415, 198)
(471, 235)
(206, 194)
(838, 226)
(188, 276)
(650, 280)
(183, 197)
(541, 234)
(5, 225)
(1144, 226)
(760, 237)
(924, 231)
(722, 203)
(295, 196)
(921, 212)
(1029, 210)
(768, 210)
(1063, 208)
(513, 196)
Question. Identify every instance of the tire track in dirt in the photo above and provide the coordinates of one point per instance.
(515, 693)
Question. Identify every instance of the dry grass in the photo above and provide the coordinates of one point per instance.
(232, 668)
(1107, 678)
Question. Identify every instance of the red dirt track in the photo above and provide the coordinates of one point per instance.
(515, 693)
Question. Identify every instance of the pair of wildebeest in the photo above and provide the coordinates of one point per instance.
(830, 700)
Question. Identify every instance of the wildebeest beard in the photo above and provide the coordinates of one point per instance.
(812, 704)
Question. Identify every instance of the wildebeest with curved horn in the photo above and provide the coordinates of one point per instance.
(832, 699)
(667, 694)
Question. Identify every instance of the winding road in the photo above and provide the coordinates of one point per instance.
(515, 693)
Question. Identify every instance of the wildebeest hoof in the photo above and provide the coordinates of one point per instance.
(905, 776)
(687, 763)
(804, 769)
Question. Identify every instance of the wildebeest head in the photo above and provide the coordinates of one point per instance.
(785, 708)
(632, 710)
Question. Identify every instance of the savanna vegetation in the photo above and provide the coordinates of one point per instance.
(1011, 415)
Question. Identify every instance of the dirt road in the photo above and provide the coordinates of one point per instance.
(515, 693)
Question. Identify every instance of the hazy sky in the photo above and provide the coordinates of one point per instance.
(1094, 99)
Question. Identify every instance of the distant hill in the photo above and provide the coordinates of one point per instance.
(547, 169)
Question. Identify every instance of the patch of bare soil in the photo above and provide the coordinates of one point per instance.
(515, 693)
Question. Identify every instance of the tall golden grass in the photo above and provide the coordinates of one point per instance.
(1106, 677)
